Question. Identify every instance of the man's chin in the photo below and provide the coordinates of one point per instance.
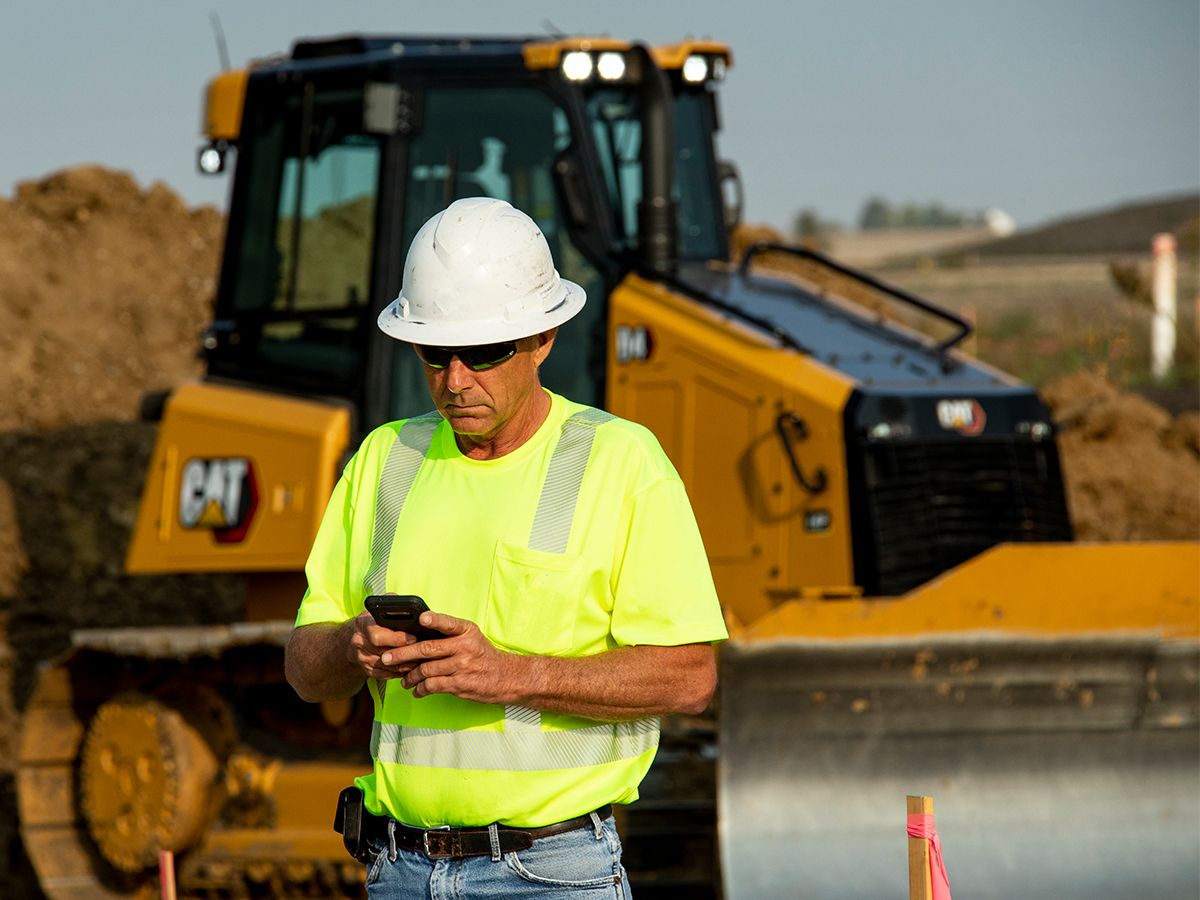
(466, 423)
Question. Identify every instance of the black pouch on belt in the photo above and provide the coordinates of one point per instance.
(350, 822)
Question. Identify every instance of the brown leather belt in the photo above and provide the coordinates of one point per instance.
(447, 843)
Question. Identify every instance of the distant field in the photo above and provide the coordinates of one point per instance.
(1043, 317)
(876, 248)
(1044, 299)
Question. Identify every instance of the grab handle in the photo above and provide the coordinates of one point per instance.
(784, 422)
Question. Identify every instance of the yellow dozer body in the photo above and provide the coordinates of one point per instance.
(884, 517)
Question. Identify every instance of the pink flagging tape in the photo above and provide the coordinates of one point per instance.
(921, 826)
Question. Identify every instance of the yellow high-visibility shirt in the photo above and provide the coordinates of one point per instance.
(497, 542)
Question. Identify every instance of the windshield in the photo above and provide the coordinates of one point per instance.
(613, 115)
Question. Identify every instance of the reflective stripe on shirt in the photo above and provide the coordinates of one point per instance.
(556, 506)
(513, 750)
(399, 472)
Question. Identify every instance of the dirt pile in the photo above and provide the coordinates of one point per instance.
(1132, 470)
(76, 491)
(104, 288)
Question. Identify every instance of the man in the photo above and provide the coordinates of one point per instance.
(558, 554)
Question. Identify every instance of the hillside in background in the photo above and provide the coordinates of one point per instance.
(1126, 229)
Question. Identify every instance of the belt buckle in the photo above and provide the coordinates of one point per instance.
(444, 852)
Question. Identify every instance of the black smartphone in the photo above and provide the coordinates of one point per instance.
(400, 612)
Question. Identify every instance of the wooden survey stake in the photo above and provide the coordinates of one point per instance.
(166, 874)
(920, 885)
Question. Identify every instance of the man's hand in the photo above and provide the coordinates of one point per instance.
(370, 642)
(464, 663)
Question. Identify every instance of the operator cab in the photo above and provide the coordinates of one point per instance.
(349, 145)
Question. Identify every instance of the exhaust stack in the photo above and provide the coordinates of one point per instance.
(657, 228)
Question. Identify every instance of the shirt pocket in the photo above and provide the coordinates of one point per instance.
(534, 599)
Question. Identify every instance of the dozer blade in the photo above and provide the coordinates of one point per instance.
(1060, 768)
(1046, 696)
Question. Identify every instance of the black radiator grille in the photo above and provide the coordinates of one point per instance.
(925, 507)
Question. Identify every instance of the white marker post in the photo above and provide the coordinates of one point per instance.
(1162, 328)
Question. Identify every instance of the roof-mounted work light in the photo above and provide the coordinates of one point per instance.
(577, 65)
(695, 69)
(611, 66)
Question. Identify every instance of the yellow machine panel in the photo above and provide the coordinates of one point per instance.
(238, 481)
(223, 105)
(714, 393)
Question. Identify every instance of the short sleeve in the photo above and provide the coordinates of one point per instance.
(331, 595)
(663, 592)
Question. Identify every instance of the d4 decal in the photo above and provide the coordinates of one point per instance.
(220, 495)
(633, 343)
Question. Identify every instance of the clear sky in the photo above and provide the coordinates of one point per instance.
(1039, 107)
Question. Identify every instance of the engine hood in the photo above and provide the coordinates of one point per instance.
(877, 355)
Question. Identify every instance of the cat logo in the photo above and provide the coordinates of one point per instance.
(220, 495)
(964, 416)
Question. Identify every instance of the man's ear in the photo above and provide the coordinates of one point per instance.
(545, 342)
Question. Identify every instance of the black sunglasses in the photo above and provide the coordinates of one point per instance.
(477, 359)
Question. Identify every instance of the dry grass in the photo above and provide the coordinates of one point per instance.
(1042, 318)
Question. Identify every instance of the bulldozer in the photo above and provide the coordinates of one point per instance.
(885, 517)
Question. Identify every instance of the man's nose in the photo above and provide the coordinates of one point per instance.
(458, 376)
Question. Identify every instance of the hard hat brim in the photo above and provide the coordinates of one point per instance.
(489, 331)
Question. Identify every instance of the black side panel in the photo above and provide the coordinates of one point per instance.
(927, 499)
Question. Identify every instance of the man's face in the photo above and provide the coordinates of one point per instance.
(480, 404)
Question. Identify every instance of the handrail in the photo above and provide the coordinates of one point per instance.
(783, 421)
(964, 327)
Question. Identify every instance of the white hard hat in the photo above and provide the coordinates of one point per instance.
(479, 272)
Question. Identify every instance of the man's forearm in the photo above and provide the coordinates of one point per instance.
(621, 684)
(317, 662)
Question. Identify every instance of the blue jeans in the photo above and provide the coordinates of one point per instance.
(584, 863)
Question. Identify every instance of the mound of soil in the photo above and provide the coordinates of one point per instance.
(76, 493)
(106, 288)
(1132, 469)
